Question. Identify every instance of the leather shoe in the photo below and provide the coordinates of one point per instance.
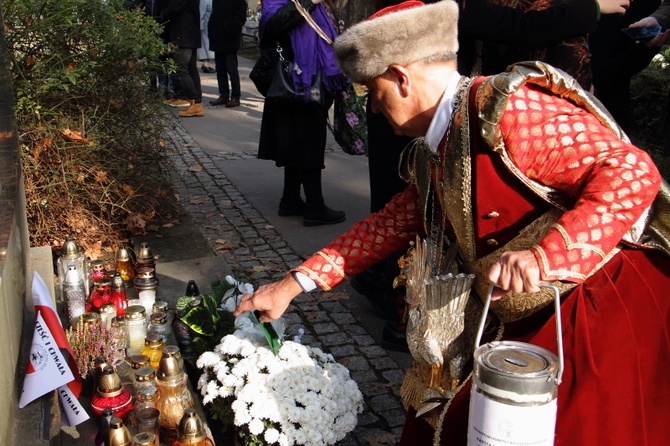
(221, 100)
(394, 337)
(287, 209)
(234, 102)
(206, 69)
(323, 216)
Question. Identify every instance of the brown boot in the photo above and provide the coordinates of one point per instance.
(194, 110)
(234, 102)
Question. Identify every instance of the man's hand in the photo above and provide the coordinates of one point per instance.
(517, 271)
(613, 6)
(658, 41)
(271, 300)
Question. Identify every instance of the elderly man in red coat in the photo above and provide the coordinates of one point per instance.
(532, 182)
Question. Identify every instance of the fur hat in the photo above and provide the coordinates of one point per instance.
(400, 34)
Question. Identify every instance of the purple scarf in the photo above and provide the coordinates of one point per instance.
(311, 52)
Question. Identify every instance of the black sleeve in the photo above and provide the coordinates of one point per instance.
(485, 20)
(173, 9)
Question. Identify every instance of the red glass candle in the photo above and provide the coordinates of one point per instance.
(111, 394)
(119, 297)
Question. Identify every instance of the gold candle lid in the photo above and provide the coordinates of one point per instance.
(139, 361)
(158, 318)
(70, 249)
(122, 254)
(160, 306)
(144, 254)
(153, 340)
(90, 318)
(145, 374)
(191, 429)
(110, 384)
(169, 368)
(135, 312)
(107, 308)
(97, 264)
(118, 434)
(144, 439)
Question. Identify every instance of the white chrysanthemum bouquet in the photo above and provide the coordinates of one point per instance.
(301, 396)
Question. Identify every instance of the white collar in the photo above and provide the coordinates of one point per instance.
(440, 123)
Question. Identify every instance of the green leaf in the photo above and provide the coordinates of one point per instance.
(200, 320)
(210, 303)
(183, 304)
(268, 330)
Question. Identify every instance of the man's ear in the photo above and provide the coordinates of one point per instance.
(401, 77)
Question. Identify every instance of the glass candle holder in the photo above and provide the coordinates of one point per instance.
(136, 327)
(145, 439)
(101, 294)
(153, 348)
(107, 314)
(174, 397)
(124, 265)
(147, 422)
(145, 257)
(74, 294)
(120, 334)
(158, 324)
(111, 394)
(119, 297)
(146, 285)
(71, 255)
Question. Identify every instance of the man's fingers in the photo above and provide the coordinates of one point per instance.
(246, 304)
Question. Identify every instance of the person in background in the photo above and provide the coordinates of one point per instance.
(225, 36)
(182, 18)
(616, 58)
(492, 35)
(532, 182)
(294, 135)
(205, 52)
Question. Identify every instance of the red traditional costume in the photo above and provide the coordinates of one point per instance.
(531, 162)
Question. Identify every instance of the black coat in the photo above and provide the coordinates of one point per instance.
(225, 25)
(183, 22)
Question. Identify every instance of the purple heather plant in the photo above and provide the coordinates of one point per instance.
(90, 341)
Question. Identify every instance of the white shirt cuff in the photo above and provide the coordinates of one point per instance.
(305, 282)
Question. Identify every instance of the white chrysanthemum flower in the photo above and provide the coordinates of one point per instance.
(256, 426)
(231, 280)
(271, 435)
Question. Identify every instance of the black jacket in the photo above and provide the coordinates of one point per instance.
(183, 22)
(225, 25)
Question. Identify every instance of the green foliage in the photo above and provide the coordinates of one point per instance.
(90, 129)
(203, 314)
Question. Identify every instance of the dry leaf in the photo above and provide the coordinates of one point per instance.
(75, 136)
(100, 176)
(259, 269)
(135, 223)
(196, 168)
(168, 225)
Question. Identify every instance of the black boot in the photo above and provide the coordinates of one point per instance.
(316, 211)
(291, 203)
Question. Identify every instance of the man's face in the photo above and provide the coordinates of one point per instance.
(386, 98)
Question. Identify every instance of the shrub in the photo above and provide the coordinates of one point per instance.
(90, 128)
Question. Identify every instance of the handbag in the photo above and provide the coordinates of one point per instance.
(282, 88)
(350, 127)
(263, 70)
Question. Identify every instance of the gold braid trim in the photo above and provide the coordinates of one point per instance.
(315, 277)
(438, 428)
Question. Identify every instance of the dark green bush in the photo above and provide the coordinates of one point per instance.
(90, 128)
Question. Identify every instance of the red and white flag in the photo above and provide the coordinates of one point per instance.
(51, 365)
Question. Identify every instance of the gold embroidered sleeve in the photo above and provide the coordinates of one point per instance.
(367, 242)
(612, 182)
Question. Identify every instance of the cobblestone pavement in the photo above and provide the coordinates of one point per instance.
(257, 253)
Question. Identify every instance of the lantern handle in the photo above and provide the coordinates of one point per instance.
(557, 315)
